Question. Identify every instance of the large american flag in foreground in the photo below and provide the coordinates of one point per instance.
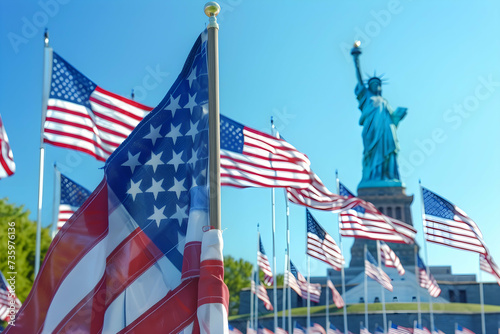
(84, 117)
(9, 303)
(321, 245)
(363, 220)
(337, 298)
(299, 284)
(488, 265)
(372, 270)
(446, 224)
(72, 197)
(426, 279)
(390, 259)
(7, 165)
(264, 265)
(138, 256)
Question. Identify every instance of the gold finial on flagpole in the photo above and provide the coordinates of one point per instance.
(212, 8)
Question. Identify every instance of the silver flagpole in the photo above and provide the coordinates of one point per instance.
(417, 276)
(257, 280)
(56, 201)
(47, 73)
(382, 288)
(481, 296)
(283, 292)
(425, 250)
(366, 292)
(289, 290)
(308, 293)
(251, 295)
(342, 272)
(273, 209)
(327, 309)
(211, 10)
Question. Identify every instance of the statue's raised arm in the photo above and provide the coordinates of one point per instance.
(355, 52)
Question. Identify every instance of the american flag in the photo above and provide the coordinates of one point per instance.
(299, 284)
(298, 329)
(437, 331)
(488, 265)
(251, 330)
(316, 328)
(364, 330)
(337, 298)
(84, 117)
(138, 255)
(419, 329)
(333, 330)
(7, 165)
(264, 264)
(363, 220)
(9, 303)
(390, 259)
(262, 295)
(321, 245)
(250, 158)
(280, 330)
(395, 329)
(263, 330)
(233, 330)
(72, 197)
(379, 330)
(426, 279)
(446, 224)
(463, 330)
(372, 270)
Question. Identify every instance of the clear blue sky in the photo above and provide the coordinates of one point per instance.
(288, 60)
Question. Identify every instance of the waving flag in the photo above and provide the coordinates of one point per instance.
(233, 330)
(299, 284)
(395, 329)
(372, 270)
(280, 330)
(9, 303)
(337, 298)
(298, 329)
(7, 165)
(334, 330)
(488, 265)
(437, 331)
(363, 220)
(262, 295)
(419, 329)
(73, 196)
(316, 328)
(321, 245)
(426, 279)
(263, 330)
(446, 224)
(463, 330)
(84, 117)
(364, 330)
(264, 265)
(138, 256)
(390, 259)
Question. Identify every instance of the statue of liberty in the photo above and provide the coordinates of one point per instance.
(379, 121)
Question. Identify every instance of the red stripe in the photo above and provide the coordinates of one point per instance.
(123, 99)
(4, 164)
(455, 246)
(469, 228)
(69, 111)
(473, 237)
(246, 162)
(74, 244)
(256, 183)
(76, 148)
(114, 120)
(75, 136)
(211, 287)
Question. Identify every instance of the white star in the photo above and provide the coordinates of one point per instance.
(173, 105)
(193, 130)
(133, 161)
(153, 134)
(155, 160)
(174, 132)
(191, 103)
(192, 77)
(178, 187)
(176, 160)
(155, 188)
(179, 214)
(194, 184)
(158, 215)
(134, 189)
(193, 159)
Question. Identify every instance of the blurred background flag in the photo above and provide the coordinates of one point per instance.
(7, 165)
(390, 259)
(9, 303)
(337, 298)
(426, 279)
(72, 196)
(372, 270)
(263, 263)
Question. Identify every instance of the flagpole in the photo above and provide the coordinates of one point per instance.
(283, 306)
(481, 296)
(256, 303)
(211, 10)
(342, 272)
(308, 293)
(425, 250)
(251, 294)
(366, 293)
(47, 73)
(382, 288)
(55, 201)
(327, 304)
(289, 290)
(417, 279)
(273, 219)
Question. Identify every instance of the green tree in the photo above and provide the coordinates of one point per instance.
(16, 227)
(236, 276)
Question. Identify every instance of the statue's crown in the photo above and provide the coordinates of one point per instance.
(377, 79)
